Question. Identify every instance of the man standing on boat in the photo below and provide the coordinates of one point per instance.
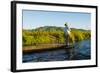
(67, 34)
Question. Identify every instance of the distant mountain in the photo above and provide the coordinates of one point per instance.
(49, 28)
(55, 28)
(80, 29)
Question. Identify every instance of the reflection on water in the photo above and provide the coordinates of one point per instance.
(81, 51)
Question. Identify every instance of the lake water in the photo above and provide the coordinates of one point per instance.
(81, 51)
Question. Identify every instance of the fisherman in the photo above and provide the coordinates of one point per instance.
(67, 32)
(69, 39)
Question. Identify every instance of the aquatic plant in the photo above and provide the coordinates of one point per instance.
(53, 35)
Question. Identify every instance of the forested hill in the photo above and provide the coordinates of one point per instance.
(54, 28)
(49, 28)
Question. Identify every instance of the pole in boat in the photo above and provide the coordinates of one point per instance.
(67, 34)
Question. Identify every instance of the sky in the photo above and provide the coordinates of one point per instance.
(34, 19)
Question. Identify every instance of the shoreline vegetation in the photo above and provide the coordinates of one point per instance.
(43, 47)
(51, 37)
